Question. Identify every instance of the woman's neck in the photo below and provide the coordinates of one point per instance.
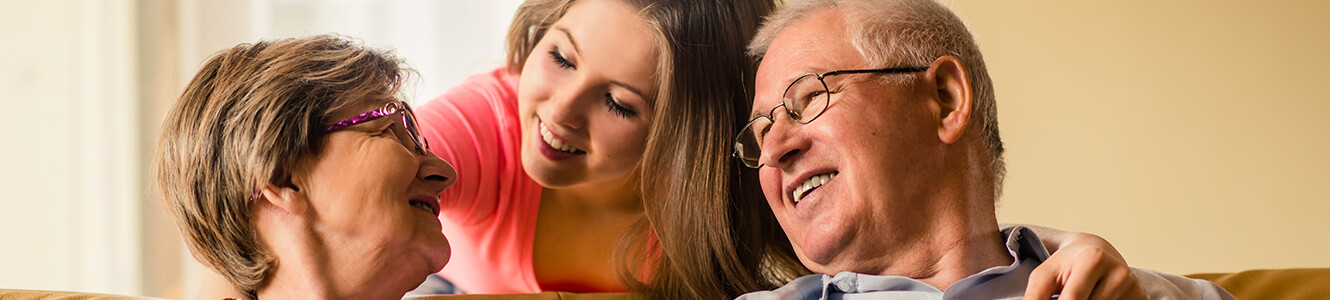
(301, 271)
(612, 196)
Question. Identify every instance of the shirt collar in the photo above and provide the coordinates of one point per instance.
(1022, 244)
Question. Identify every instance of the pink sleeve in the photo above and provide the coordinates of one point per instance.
(474, 127)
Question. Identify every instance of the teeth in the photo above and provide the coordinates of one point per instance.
(423, 206)
(555, 142)
(810, 184)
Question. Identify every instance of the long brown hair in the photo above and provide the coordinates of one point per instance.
(707, 231)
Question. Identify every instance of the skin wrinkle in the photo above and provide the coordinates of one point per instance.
(245, 121)
(898, 187)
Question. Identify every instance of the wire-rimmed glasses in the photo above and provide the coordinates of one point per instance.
(804, 100)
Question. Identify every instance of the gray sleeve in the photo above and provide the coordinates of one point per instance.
(1168, 286)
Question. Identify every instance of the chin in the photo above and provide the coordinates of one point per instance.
(437, 255)
(821, 249)
(542, 173)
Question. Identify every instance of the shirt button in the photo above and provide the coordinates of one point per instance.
(846, 286)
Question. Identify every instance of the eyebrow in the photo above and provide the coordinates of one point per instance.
(577, 49)
(785, 84)
(570, 38)
(630, 88)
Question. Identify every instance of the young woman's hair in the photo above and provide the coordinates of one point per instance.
(707, 232)
(244, 121)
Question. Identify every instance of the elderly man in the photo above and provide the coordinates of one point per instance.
(876, 135)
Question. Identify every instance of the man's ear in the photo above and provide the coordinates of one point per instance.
(288, 198)
(948, 76)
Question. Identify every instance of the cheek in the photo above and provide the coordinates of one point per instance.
(623, 140)
(381, 176)
(770, 181)
(533, 83)
(527, 92)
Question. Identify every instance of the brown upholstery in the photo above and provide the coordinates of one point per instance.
(1274, 284)
(1253, 284)
(6, 294)
(540, 296)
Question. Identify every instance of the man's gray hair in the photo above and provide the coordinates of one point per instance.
(905, 33)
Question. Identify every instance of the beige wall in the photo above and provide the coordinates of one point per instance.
(1194, 135)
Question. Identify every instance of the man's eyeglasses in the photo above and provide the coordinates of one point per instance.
(408, 133)
(804, 100)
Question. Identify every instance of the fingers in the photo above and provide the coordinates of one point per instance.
(1043, 282)
(1120, 283)
(1084, 275)
(1085, 269)
(1113, 284)
(1137, 291)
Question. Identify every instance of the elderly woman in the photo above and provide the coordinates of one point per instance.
(293, 170)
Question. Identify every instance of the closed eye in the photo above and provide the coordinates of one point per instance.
(616, 108)
(560, 61)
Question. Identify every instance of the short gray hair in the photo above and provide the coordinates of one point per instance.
(905, 33)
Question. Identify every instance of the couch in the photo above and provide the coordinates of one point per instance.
(1253, 284)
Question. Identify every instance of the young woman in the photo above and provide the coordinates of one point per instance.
(608, 168)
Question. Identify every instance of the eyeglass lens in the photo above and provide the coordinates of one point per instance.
(804, 101)
(413, 131)
(806, 98)
(748, 146)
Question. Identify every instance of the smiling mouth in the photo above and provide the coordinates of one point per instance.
(810, 184)
(431, 207)
(555, 143)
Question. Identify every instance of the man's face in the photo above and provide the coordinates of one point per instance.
(873, 143)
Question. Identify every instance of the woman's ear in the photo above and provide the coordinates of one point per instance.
(954, 99)
(287, 198)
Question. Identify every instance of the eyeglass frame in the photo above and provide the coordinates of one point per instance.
(421, 145)
(795, 116)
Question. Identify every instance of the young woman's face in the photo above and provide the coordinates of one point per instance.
(586, 95)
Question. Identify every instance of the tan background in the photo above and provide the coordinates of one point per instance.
(1194, 135)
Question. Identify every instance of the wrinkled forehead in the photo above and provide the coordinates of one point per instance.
(817, 44)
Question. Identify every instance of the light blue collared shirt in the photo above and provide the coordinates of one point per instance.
(1000, 282)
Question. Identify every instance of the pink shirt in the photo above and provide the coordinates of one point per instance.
(489, 216)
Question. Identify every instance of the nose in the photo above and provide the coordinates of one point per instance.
(782, 144)
(564, 107)
(437, 173)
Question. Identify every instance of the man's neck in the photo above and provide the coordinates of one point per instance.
(963, 232)
(949, 258)
(957, 236)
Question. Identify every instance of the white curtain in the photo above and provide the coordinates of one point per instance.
(85, 84)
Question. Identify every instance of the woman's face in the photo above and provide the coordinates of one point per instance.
(586, 95)
(375, 199)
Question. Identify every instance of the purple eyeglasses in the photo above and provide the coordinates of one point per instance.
(411, 139)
